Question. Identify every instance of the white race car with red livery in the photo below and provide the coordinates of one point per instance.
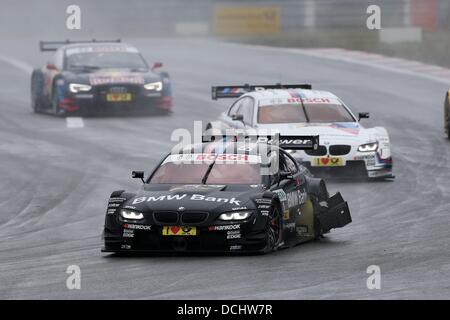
(299, 110)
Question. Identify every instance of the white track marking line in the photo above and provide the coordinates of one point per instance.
(325, 54)
(21, 65)
(74, 122)
(71, 122)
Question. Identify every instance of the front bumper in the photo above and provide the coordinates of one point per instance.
(368, 164)
(96, 102)
(232, 237)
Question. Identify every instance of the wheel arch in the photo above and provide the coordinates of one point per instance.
(318, 188)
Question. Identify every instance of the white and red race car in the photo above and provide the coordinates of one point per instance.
(299, 110)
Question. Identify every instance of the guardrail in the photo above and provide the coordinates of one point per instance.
(154, 17)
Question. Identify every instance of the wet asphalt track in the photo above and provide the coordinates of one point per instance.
(54, 183)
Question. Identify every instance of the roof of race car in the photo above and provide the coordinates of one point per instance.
(272, 96)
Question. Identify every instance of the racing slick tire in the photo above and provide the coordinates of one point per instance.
(37, 100)
(274, 230)
(447, 114)
(56, 109)
(318, 229)
(318, 194)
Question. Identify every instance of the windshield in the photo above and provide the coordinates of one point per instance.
(281, 113)
(295, 113)
(221, 173)
(106, 60)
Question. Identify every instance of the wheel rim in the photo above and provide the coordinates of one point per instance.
(274, 229)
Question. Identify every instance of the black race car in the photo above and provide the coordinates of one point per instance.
(89, 77)
(224, 196)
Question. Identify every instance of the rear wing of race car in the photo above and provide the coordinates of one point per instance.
(219, 92)
(55, 45)
(287, 142)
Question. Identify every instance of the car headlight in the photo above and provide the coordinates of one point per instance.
(241, 215)
(132, 215)
(156, 86)
(368, 147)
(78, 87)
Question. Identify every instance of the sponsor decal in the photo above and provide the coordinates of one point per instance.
(84, 96)
(100, 49)
(296, 198)
(225, 227)
(197, 187)
(111, 211)
(209, 157)
(302, 230)
(154, 94)
(365, 157)
(313, 100)
(369, 159)
(116, 200)
(125, 247)
(265, 213)
(179, 231)
(290, 142)
(130, 207)
(110, 79)
(193, 197)
(239, 208)
(113, 205)
(290, 226)
(137, 227)
(350, 127)
(236, 247)
(127, 233)
(234, 234)
(267, 201)
(328, 162)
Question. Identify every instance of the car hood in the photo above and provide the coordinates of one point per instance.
(211, 198)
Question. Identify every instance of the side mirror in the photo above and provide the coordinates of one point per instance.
(237, 117)
(157, 65)
(138, 175)
(363, 115)
(51, 66)
(286, 175)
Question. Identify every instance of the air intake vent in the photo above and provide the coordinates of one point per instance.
(321, 151)
(166, 217)
(339, 150)
(193, 217)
